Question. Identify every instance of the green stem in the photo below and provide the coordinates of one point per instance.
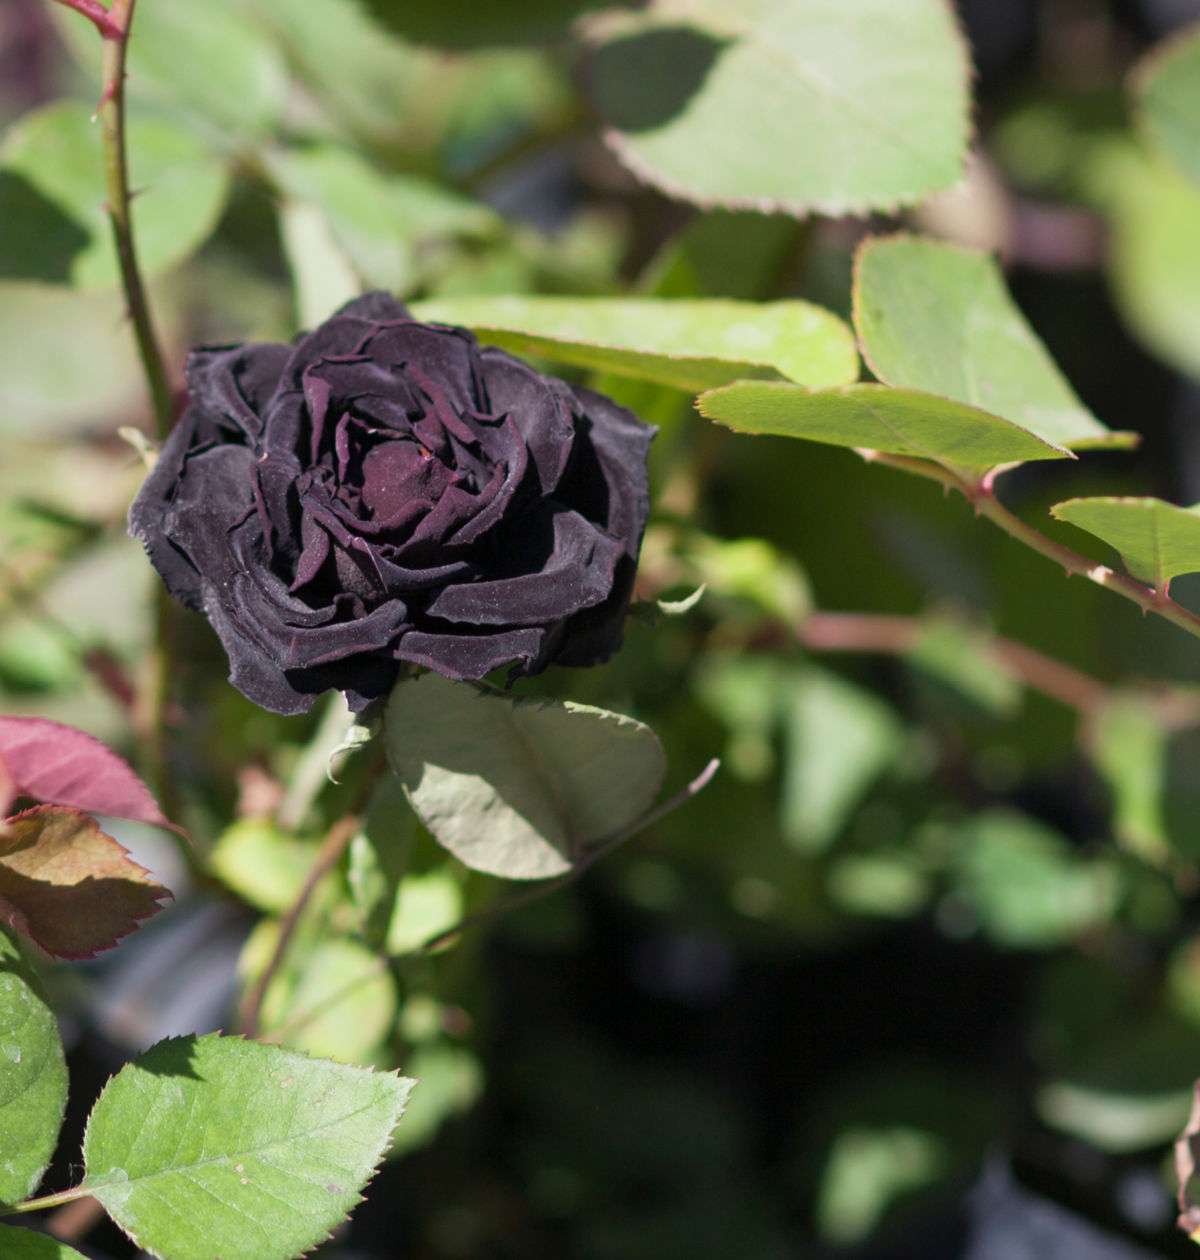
(982, 495)
(48, 1201)
(116, 178)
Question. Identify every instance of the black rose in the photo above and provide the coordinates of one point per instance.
(385, 491)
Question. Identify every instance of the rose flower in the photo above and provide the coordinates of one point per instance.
(386, 491)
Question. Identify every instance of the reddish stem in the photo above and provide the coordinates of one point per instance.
(99, 17)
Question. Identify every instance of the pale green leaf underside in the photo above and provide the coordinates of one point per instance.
(24, 1244)
(214, 1146)
(875, 417)
(774, 105)
(691, 344)
(1168, 89)
(1158, 541)
(939, 318)
(33, 1079)
(518, 788)
(52, 197)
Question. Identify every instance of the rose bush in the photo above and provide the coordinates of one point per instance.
(385, 491)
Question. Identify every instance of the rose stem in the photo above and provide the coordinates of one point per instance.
(537, 892)
(115, 25)
(982, 495)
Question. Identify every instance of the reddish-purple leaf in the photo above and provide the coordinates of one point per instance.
(68, 886)
(62, 766)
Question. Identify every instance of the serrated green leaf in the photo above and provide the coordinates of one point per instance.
(690, 344)
(939, 318)
(1157, 541)
(1167, 86)
(213, 1146)
(52, 197)
(875, 417)
(518, 788)
(1129, 748)
(262, 863)
(790, 107)
(839, 739)
(33, 1077)
(24, 1244)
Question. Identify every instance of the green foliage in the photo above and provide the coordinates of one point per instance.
(211, 1145)
(52, 204)
(24, 1244)
(1168, 91)
(693, 94)
(519, 789)
(1157, 541)
(874, 417)
(688, 344)
(261, 863)
(938, 318)
(33, 1077)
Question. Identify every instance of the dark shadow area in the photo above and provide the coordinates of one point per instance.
(39, 241)
(641, 81)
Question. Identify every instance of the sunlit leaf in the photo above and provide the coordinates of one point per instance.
(1167, 84)
(1157, 541)
(1129, 748)
(691, 344)
(518, 788)
(213, 1146)
(52, 196)
(793, 107)
(874, 417)
(263, 864)
(59, 765)
(939, 318)
(33, 1078)
(68, 886)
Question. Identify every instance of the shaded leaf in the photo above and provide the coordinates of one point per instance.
(463, 24)
(1167, 85)
(839, 739)
(213, 1146)
(52, 196)
(518, 788)
(689, 343)
(1157, 541)
(33, 1078)
(70, 887)
(874, 417)
(59, 765)
(24, 1244)
(959, 655)
(786, 107)
(939, 318)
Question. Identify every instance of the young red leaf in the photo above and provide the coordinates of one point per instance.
(62, 766)
(68, 886)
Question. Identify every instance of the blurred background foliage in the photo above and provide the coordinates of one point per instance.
(920, 973)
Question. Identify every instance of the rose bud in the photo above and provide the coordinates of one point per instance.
(385, 491)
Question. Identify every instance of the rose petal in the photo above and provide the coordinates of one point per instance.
(558, 564)
(472, 656)
(235, 382)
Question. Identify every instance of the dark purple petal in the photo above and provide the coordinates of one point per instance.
(472, 656)
(556, 564)
(234, 383)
